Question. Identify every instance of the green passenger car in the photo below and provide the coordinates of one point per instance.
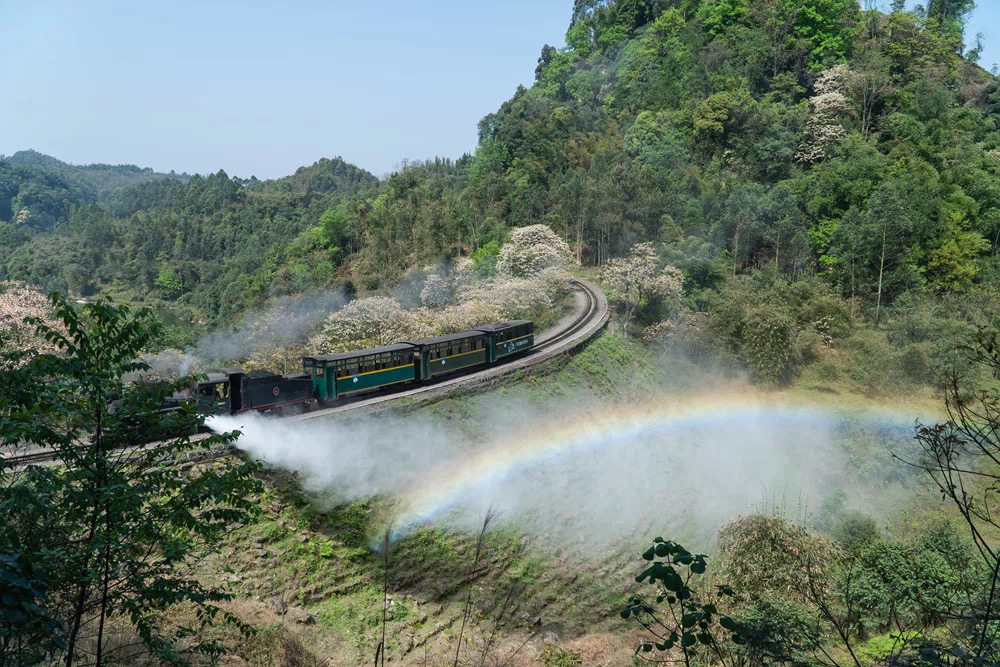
(348, 373)
(446, 354)
(509, 338)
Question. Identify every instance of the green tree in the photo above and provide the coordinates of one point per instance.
(336, 227)
(169, 283)
(951, 261)
(116, 526)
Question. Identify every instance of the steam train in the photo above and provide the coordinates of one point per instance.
(330, 377)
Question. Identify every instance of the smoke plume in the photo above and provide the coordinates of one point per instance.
(584, 474)
(285, 322)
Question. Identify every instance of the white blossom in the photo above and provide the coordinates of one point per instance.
(17, 302)
(531, 250)
(634, 279)
(369, 322)
(379, 320)
(436, 292)
(828, 107)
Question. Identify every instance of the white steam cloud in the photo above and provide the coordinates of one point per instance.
(285, 322)
(570, 477)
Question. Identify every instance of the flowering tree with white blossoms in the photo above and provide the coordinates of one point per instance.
(457, 302)
(634, 279)
(436, 292)
(531, 250)
(829, 106)
(18, 301)
(369, 322)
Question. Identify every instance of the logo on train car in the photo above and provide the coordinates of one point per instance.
(355, 380)
(275, 391)
(516, 344)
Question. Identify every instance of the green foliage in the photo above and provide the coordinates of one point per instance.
(854, 530)
(169, 283)
(772, 326)
(27, 631)
(779, 628)
(767, 557)
(553, 656)
(767, 345)
(678, 619)
(484, 260)
(878, 649)
(113, 526)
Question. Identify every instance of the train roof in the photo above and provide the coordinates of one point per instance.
(503, 325)
(398, 347)
(214, 377)
(447, 338)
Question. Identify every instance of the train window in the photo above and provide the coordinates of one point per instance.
(319, 371)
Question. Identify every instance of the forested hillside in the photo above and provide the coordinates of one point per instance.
(811, 139)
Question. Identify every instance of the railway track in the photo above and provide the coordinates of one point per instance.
(587, 322)
(588, 314)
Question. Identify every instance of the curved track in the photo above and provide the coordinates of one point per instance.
(588, 320)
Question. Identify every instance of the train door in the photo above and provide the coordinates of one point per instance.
(235, 392)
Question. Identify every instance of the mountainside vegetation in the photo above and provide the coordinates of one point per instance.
(843, 150)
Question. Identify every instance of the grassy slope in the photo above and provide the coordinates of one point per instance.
(322, 561)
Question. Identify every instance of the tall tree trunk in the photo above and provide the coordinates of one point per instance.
(104, 587)
(579, 239)
(736, 250)
(881, 267)
(81, 600)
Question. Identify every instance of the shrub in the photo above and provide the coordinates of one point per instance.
(484, 260)
(915, 362)
(878, 649)
(553, 656)
(768, 339)
(778, 627)
(871, 362)
(854, 529)
(807, 345)
(768, 557)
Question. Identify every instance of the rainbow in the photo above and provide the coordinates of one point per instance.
(579, 434)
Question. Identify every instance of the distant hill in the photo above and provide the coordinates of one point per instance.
(102, 179)
(327, 176)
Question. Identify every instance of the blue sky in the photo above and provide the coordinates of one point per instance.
(259, 87)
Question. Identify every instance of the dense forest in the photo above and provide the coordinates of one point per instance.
(755, 143)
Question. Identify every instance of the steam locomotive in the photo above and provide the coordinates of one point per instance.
(330, 377)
